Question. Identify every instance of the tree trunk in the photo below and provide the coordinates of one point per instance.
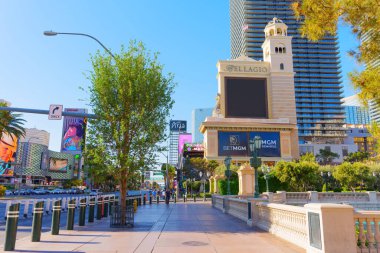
(123, 197)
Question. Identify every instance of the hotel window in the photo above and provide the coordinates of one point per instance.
(282, 66)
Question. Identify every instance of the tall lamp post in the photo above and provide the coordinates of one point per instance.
(205, 176)
(255, 161)
(326, 178)
(24, 158)
(52, 33)
(227, 163)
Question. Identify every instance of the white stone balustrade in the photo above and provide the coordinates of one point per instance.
(237, 208)
(285, 221)
(367, 231)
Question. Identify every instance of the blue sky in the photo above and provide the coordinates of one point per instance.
(191, 36)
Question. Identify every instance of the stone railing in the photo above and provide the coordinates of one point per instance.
(367, 231)
(336, 197)
(362, 200)
(287, 222)
(237, 208)
(217, 202)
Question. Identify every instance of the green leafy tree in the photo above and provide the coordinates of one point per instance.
(357, 157)
(132, 98)
(326, 156)
(211, 166)
(171, 172)
(375, 133)
(320, 19)
(308, 157)
(11, 123)
(352, 175)
(300, 176)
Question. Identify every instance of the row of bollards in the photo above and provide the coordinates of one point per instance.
(13, 212)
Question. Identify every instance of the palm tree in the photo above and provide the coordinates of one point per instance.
(11, 123)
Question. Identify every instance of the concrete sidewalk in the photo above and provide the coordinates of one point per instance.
(181, 227)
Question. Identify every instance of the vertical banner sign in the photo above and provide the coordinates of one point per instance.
(73, 132)
(8, 148)
(182, 140)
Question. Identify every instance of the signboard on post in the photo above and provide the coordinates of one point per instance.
(178, 125)
(55, 112)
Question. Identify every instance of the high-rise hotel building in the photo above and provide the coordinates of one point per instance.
(318, 88)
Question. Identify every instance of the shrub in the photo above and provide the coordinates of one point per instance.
(234, 187)
(2, 190)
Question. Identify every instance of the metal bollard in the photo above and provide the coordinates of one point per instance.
(144, 199)
(184, 198)
(38, 211)
(91, 212)
(139, 201)
(106, 201)
(56, 217)
(150, 199)
(158, 199)
(175, 198)
(70, 215)
(195, 198)
(11, 227)
(82, 211)
(99, 208)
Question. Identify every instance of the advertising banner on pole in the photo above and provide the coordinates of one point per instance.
(73, 132)
(8, 148)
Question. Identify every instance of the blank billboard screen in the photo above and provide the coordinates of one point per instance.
(246, 98)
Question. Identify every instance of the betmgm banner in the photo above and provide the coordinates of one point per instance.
(237, 143)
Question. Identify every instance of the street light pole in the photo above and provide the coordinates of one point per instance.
(255, 161)
(24, 162)
(52, 33)
(227, 163)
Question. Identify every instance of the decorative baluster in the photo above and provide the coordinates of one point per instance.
(370, 236)
(377, 233)
(362, 236)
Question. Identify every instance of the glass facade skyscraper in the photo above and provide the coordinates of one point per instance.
(318, 89)
(197, 117)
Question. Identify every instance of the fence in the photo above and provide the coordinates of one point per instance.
(315, 227)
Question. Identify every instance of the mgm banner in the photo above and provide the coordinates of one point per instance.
(237, 143)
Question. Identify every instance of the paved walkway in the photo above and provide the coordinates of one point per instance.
(181, 227)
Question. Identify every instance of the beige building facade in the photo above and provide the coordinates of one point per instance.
(255, 98)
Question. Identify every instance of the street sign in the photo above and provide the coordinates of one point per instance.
(55, 112)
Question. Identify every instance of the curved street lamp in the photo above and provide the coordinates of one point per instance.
(52, 33)
(227, 163)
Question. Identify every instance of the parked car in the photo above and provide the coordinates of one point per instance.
(95, 192)
(57, 191)
(8, 193)
(40, 191)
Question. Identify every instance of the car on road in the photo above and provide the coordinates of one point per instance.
(40, 191)
(57, 191)
(8, 193)
(95, 192)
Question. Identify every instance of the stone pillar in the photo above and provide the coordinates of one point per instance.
(246, 180)
(372, 197)
(313, 196)
(331, 228)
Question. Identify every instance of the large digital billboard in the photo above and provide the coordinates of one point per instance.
(73, 134)
(58, 165)
(236, 143)
(8, 148)
(246, 97)
(183, 138)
